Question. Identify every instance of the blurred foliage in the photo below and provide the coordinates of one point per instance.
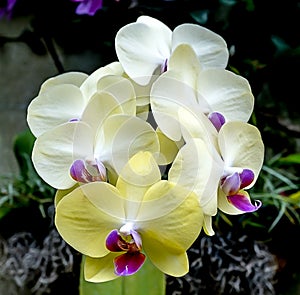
(26, 189)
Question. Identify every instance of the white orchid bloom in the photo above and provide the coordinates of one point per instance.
(63, 98)
(218, 166)
(187, 84)
(145, 46)
(100, 143)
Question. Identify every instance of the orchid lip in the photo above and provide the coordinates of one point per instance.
(87, 171)
(129, 241)
(217, 119)
(243, 203)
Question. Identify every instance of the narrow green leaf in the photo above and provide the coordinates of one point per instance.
(147, 281)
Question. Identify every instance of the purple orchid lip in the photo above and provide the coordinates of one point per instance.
(79, 171)
(231, 184)
(129, 263)
(247, 177)
(243, 203)
(217, 119)
(132, 260)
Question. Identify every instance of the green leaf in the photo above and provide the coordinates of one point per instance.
(290, 159)
(23, 144)
(147, 281)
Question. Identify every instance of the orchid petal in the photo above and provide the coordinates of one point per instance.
(143, 46)
(86, 216)
(128, 263)
(73, 78)
(167, 95)
(137, 176)
(99, 270)
(89, 7)
(53, 152)
(241, 146)
(226, 93)
(89, 86)
(207, 225)
(211, 48)
(164, 241)
(121, 137)
(185, 62)
(122, 89)
(58, 105)
(99, 108)
(198, 168)
(168, 148)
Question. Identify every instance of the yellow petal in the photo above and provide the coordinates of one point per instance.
(139, 174)
(99, 270)
(85, 217)
(168, 148)
(171, 233)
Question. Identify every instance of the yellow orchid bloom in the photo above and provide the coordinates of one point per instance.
(118, 227)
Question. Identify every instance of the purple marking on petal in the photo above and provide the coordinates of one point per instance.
(243, 203)
(217, 119)
(114, 242)
(128, 263)
(231, 184)
(164, 66)
(74, 120)
(247, 176)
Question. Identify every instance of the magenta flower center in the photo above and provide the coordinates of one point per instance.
(130, 243)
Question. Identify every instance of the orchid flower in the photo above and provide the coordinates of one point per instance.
(118, 227)
(145, 46)
(214, 92)
(84, 151)
(89, 7)
(63, 98)
(7, 10)
(218, 166)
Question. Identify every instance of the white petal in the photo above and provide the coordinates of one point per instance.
(142, 47)
(58, 105)
(210, 47)
(89, 87)
(241, 146)
(74, 78)
(55, 150)
(227, 93)
(122, 136)
(198, 168)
